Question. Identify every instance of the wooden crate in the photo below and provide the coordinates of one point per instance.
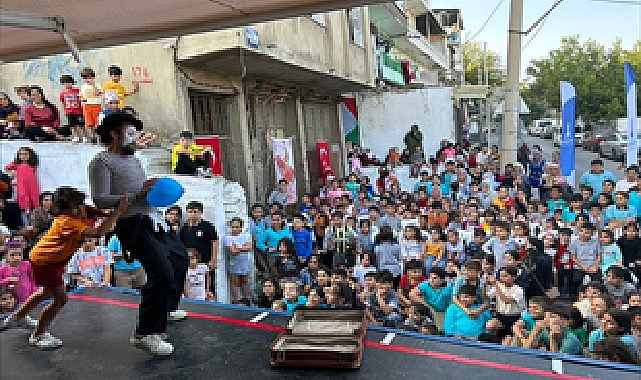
(321, 338)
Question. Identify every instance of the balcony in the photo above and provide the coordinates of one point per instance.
(389, 18)
(428, 53)
(417, 7)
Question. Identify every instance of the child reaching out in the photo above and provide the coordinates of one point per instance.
(16, 273)
(49, 257)
(23, 172)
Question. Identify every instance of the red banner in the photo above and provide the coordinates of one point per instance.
(214, 162)
(324, 164)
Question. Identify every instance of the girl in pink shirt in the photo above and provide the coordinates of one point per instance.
(23, 172)
(16, 273)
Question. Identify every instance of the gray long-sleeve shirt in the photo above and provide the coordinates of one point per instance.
(113, 175)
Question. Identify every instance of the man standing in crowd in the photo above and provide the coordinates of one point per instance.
(413, 138)
(595, 177)
(279, 195)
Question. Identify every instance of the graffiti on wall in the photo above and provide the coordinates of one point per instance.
(54, 66)
(140, 74)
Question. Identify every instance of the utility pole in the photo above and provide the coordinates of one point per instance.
(486, 120)
(512, 99)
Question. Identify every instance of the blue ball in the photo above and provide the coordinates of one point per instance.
(165, 192)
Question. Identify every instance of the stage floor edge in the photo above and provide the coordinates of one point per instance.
(228, 342)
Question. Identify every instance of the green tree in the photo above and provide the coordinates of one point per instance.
(473, 64)
(595, 72)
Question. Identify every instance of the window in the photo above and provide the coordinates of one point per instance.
(355, 26)
(209, 113)
(319, 18)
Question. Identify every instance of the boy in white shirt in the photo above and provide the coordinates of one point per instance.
(510, 298)
(90, 266)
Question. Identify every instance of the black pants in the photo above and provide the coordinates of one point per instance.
(151, 248)
(36, 132)
(179, 261)
(186, 165)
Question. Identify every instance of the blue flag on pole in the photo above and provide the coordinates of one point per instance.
(566, 152)
(631, 98)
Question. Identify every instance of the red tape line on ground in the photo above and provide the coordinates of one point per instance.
(369, 343)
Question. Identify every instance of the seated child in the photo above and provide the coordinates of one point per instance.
(535, 312)
(551, 333)
(466, 318)
(419, 319)
(126, 275)
(411, 279)
(616, 285)
(197, 279)
(360, 270)
(49, 257)
(434, 293)
(15, 273)
(382, 305)
(187, 157)
(7, 302)
(90, 266)
(291, 296)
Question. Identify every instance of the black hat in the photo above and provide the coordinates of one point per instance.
(116, 120)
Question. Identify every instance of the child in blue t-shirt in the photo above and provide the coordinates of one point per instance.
(434, 292)
(465, 319)
(610, 251)
(302, 239)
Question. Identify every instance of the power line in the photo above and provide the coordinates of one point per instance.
(620, 2)
(487, 21)
(536, 33)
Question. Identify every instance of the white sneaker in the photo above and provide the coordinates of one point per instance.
(153, 343)
(16, 324)
(75, 139)
(177, 315)
(30, 322)
(45, 341)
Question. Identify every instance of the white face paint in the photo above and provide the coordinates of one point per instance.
(130, 136)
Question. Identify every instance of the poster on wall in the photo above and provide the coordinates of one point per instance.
(284, 166)
(213, 142)
(324, 164)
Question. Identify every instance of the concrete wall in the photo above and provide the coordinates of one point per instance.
(300, 41)
(158, 103)
(385, 117)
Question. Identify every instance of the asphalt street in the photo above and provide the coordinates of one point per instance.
(582, 157)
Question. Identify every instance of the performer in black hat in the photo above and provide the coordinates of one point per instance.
(113, 173)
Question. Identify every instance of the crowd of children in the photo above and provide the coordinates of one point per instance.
(37, 119)
(514, 256)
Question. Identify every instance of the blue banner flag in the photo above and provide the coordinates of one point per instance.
(631, 98)
(566, 152)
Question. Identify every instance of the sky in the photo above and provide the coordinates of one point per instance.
(601, 20)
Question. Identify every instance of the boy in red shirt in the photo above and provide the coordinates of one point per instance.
(70, 99)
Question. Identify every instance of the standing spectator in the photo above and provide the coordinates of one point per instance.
(535, 172)
(200, 234)
(115, 85)
(40, 218)
(620, 213)
(287, 267)
(413, 138)
(197, 280)
(523, 155)
(41, 118)
(187, 157)
(173, 218)
(279, 195)
(388, 253)
(16, 274)
(23, 170)
(609, 251)
(500, 243)
(72, 106)
(267, 242)
(595, 176)
(239, 249)
(302, 239)
(630, 244)
(91, 102)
